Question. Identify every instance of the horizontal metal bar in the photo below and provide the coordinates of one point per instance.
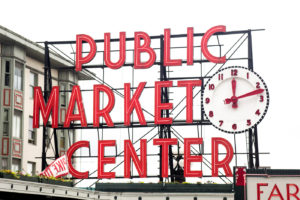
(158, 36)
(155, 48)
(132, 64)
(133, 125)
(194, 154)
(156, 176)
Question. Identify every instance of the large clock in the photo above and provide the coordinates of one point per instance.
(235, 99)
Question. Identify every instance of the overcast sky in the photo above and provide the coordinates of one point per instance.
(275, 50)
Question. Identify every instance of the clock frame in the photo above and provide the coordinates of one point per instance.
(235, 99)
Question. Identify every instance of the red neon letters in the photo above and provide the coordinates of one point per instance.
(75, 97)
(130, 104)
(39, 105)
(146, 48)
(188, 159)
(165, 143)
(83, 60)
(122, 58)
(216, 164)
(134, 103)
(290, 190)
(189, 97)
(162, 106)
(204, 42)
(138, 49)
(70, 153)
(105, 111)
(105, 160)
(167, 51)
(141, 163)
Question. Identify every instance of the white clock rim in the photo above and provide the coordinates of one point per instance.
(262, 116)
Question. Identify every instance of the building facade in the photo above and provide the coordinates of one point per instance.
(22, 68)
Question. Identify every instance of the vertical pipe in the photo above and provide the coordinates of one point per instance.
(256, 148)
(255, 136)
(46, 63)
(161, 126)
(251, 166)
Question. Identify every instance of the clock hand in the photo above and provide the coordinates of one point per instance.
(233, 85)
(234, 99)
(255, 92)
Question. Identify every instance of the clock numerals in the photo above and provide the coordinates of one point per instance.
(220, 77)
(248, 122)
(241, 90)
(257, 85)
(207, 100)
(261, 98)
(234, 72)
(221, 122)
(257, 112)
(234, 126)
(211, 86)
(211, 114)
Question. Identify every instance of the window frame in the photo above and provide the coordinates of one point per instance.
(7, 74)
(31, 131)
(32, 85)
(18, 78)
(14, 133)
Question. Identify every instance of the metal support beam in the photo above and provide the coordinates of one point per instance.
(165, 129)
(47, 88)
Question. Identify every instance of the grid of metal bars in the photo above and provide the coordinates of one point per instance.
(163, 131)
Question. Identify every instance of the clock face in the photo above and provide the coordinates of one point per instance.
(235, 99)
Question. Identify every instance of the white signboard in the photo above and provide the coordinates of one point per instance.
(58, 168)
(264, 187)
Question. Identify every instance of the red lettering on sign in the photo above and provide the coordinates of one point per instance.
(204, 42)
(71, 116)
(188, 159)
(277, 194)
(165, 143)
(216, 164)
(122, 57)
(159, 106)
(93, 49)
(258, 185)
(105, 111)
(134, 103)
(288, 191)
(39, 105)
(189, 97)
(138, 49)
(140, 164)
(190, 46)
(70, 152)
(167, 51)
(105, 160)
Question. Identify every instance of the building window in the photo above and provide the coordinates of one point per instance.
(63, 96)
(7, 74)
(33, 83)
(16, 165)
(31, 168)
(62, 142)
(18, 78)
(4, 164)
(31, 132)
(17, 124)
(6, 122)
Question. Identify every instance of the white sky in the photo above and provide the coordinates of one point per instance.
(275, 50)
